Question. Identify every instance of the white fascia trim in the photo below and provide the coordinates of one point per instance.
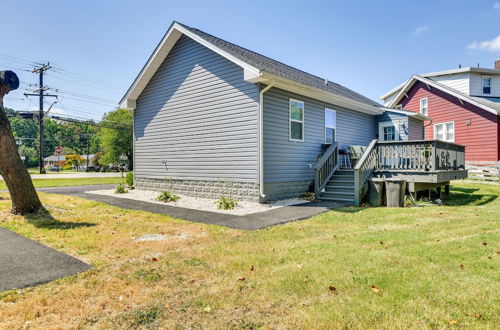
(327, 97)
(393, 91)
(426, 81)
(160, 54)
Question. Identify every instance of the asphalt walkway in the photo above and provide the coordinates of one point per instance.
(248, 222)
(24, 262)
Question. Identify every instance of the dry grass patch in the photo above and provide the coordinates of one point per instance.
(429, 264)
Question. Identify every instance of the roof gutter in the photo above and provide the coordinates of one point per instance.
(261, 139)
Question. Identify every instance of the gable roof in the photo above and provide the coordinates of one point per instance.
(257, 68)
(486, 71)
(487, 104)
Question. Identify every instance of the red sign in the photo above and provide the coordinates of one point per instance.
(59, 150)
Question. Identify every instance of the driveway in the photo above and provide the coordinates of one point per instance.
(247, 222)
(24, 262)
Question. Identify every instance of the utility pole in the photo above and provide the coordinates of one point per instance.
(41, 94)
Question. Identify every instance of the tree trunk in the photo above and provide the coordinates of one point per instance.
(16, 176)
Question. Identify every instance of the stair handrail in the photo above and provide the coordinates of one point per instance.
(325, 167)
(363, 171)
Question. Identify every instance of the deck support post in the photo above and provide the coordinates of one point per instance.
(447, 190)
(439, 192)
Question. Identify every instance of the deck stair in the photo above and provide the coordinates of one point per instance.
(340, 187)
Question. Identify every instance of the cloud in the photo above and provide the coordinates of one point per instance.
(420, 30)
(496, 6)
(492, 45)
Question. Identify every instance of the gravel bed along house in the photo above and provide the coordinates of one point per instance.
(203, 204)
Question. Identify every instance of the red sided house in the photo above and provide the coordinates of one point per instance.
(464, 105)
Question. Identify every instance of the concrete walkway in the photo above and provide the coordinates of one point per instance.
(75, 175)
(24, 262)
(248, 222)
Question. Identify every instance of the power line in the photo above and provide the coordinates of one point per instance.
(59, 69)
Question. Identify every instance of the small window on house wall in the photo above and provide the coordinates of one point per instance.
(486, 85)
(445, 131)
(424, 106)
(296, 120)
(330, 126)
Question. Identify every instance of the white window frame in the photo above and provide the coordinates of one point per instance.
(444, 131)
(290, 120)
(395, 124)
(482, 84)
(334, 125)
(426, 107)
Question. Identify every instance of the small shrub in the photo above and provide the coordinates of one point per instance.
(120, 189)
(167, 196)
(226, 203)
(129, 180)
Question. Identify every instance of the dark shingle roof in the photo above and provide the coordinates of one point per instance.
(279, 69)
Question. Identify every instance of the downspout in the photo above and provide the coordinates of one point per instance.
(261, 139)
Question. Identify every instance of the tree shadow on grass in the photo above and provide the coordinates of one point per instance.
(464, 190)
(462, 197)
(43, 219)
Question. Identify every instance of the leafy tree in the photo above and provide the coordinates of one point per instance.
(74, 160)
(116, 140)
(31, 155)
(25, 130)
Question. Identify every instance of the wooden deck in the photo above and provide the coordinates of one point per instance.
(423, 164)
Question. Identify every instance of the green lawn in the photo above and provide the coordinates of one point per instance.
(418, 268)
(40, 183)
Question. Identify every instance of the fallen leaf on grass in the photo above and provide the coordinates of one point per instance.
(241, 279)
(375, 289)
(252, 268)
(477, 316)
(154, 259)
(462, 267)
(453, 322)
(332, 288)
(484, 243)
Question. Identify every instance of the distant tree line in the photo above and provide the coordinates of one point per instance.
(75, 138)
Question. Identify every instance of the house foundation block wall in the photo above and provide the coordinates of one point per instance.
(243, 191)
(284, 190)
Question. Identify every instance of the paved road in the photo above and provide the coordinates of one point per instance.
(24, 262)
(248, 222)
(72, 175)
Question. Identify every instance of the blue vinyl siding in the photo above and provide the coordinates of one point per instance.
(197, 119)
(393, 117)
(286, 160)
(416, 129)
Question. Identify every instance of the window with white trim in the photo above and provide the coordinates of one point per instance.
(296, 120)
(330, 126)
(424, 106)
(486, 85)
(445, 131)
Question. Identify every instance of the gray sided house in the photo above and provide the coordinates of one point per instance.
(213, 118)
